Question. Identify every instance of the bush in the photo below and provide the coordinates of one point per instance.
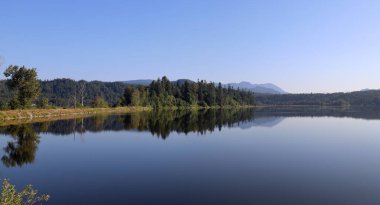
(27, 196)
(99, 102)
(43, 103)
(14, 104)
(3, 105)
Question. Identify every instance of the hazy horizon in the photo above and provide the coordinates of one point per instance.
(302, 47)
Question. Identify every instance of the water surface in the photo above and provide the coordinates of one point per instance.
(263, 156)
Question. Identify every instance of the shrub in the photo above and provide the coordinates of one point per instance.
(28, 196)
(100, 102)
(14, 104)
(43, 103)
(3, 105)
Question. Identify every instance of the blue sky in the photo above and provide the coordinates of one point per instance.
(302, 46)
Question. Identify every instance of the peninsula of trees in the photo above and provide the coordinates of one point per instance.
(22, 90)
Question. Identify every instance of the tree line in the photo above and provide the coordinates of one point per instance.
(164, 93)
(358, 98)
(22, 89)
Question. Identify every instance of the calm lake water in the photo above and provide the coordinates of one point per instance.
(266, 156)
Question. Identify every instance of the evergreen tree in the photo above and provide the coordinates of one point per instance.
(24, 84)
(219, 95)
(128, 92)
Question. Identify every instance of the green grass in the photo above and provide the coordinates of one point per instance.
(32, 115)
(48, 113)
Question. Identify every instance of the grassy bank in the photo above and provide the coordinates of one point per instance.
(10, 115)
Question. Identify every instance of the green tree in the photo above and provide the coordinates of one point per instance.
(166, 85)
(128, 92)
(211, 96)
(135, 98)
(43, 103)
(23, 82)
(189, 92)
(219, 95)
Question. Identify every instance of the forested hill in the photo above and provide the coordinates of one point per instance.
(162, 92)
(63, 92)
(358, 98)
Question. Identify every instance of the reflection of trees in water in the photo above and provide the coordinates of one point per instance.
(160, 122)
(361, 112)
(163, 122)
(23, 149)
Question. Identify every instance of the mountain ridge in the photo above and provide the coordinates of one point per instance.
(268, 88)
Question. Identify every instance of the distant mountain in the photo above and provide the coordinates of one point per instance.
(182, 81)
(147, 82)
(138, 82)
(366, 89)
(258, 88)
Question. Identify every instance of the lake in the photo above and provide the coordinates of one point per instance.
(281, 156)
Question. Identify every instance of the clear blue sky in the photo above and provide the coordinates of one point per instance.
(302, 46)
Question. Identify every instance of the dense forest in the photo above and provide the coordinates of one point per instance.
(161, 93)
(164, 93)
(22, 89)
(64, 92)
(358, 98)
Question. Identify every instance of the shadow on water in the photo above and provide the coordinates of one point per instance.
(25, 137)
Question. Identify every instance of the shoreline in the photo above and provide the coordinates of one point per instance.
(51, 113)
(67, 113)
(8, 117)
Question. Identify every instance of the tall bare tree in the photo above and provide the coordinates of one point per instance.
(82, 91)
(73, 98)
